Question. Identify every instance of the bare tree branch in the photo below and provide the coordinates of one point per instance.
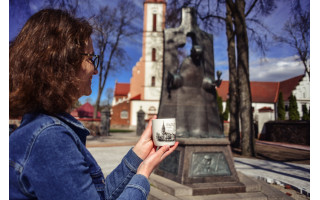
(251, 8)
(112, 26)
(297, 34)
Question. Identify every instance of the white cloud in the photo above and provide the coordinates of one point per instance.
(268, 69)
(275, 69)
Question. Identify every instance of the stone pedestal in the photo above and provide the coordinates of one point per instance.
(203, 164)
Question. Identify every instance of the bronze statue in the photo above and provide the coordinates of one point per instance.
(188, 91)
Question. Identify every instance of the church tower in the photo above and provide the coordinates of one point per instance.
(145, 83)
(147, 74)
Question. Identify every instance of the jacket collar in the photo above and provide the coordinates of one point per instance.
(76, 126)
(68, 119)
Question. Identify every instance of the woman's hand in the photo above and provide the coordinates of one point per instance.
(145, 143)
(145, 149)
(154, 159)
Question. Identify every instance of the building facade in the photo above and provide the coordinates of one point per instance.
(120, 113)
(265, 97)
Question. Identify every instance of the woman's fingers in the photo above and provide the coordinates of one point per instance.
(169, 151)
(153, 150)
(163, 149)
(148, 132)
(154, 158)
(145, 144)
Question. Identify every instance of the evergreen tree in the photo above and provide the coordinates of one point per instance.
(226, 111)
(293, 108)
(281, 108)
(306, 113)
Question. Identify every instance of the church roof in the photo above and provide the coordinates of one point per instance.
(261, 92)
(122, 89)
(287, 86)
(265, 92)
(138, 97)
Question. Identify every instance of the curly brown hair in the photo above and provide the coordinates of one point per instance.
(45, 59)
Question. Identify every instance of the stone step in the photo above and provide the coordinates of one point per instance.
(169, 186)
(177, 189)
(250, 183)
(235, 196)
(156, 194)
(271, 192)
(217, 188)
(165, 189)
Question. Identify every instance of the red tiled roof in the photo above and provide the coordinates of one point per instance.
(262, 92)
(266, 109)
(138, 97)
(287, 86)
(122, 89)
(223, 90)
(265, 92)
(86, 110)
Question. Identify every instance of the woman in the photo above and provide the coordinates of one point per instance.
(51, 65)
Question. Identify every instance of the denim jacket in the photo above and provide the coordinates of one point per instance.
(48, 160)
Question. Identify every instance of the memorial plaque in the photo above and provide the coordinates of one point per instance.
(209, 164)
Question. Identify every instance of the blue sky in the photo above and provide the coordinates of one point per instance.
(280, 62)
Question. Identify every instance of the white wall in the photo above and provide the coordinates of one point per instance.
(263, 117)
(154, 8)
(145, 105)
(302, 94)
(153, 40)
(153, 92)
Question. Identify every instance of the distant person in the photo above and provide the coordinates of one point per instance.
(51, 65)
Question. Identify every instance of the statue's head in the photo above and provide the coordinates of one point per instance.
(196, 52)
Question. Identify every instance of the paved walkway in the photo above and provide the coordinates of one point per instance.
(295, 175)
(109, 151)
(292, 146)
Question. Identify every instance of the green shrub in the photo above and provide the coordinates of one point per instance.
(306, 113)
(293, 108)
